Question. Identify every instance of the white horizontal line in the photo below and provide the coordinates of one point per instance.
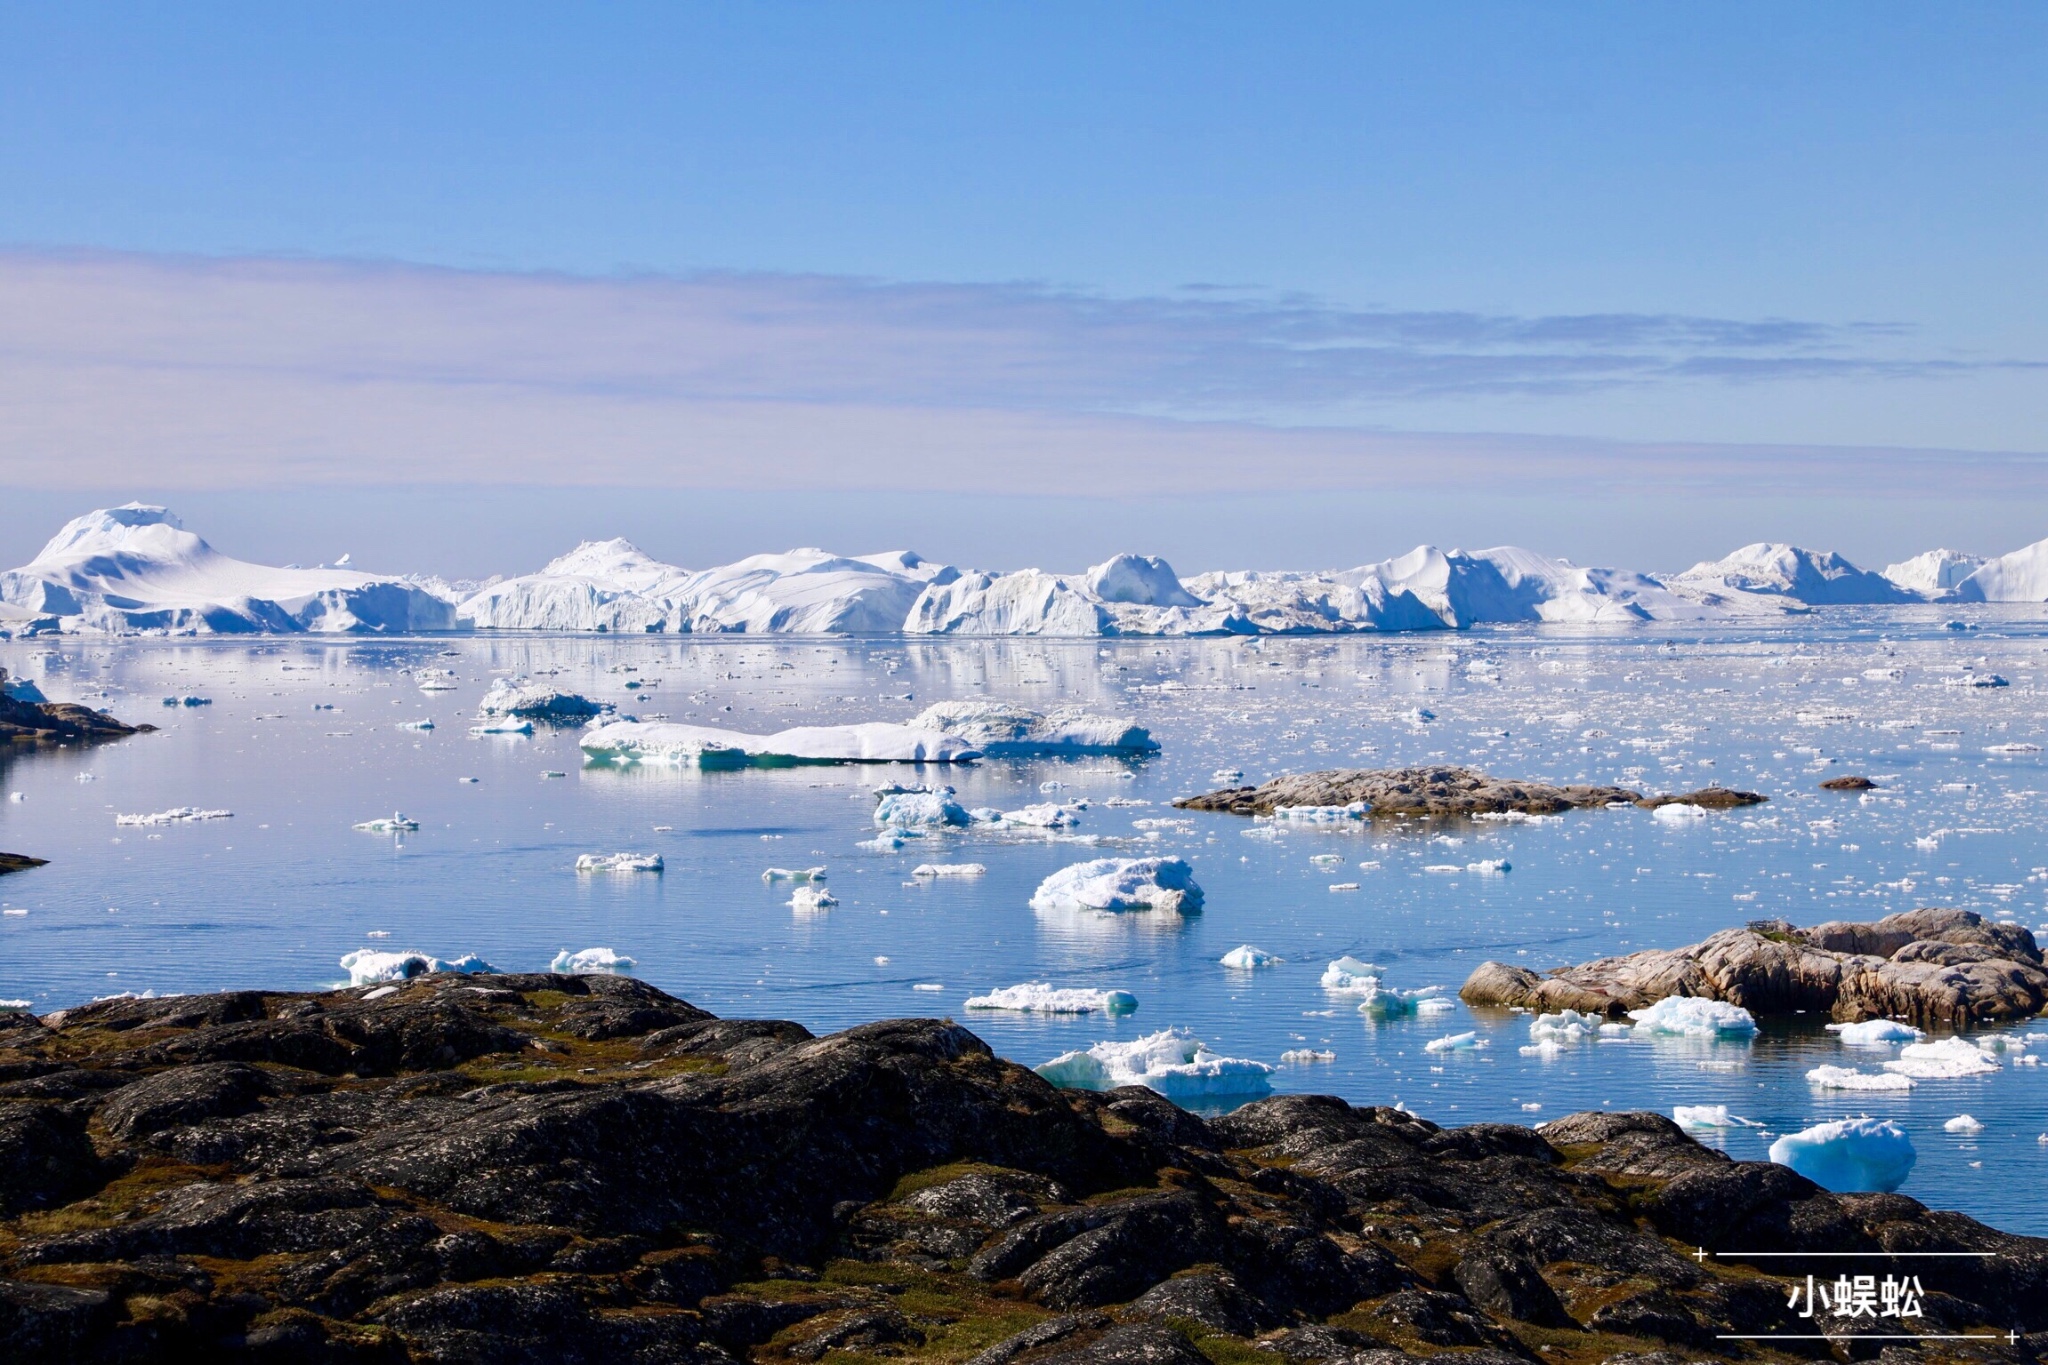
(1872, 1336)
(1888, 1254)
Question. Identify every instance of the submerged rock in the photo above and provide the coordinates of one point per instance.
(1931, 967)
(586, 1169)
(1407, 791)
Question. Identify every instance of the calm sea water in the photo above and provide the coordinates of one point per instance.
(302, 739)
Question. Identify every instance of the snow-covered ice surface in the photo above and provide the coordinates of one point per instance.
(1775, 702)
(1041, 997)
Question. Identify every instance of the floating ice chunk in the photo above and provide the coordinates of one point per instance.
(1565, 1026)
(1703, 1118)
(591, 962)
(1963, 1124)
(1849, 1155)
(1491, 867)
(2001, 1042)
(508, 726)
(949, 870)
(1246, 958)
(1343, 886)
(15, 1006)
(1456, 1042)
(1680, 811)
(1227, 775)
(1349, 975)
(1039, 997)
(1120, 884)
(1849, 1078)
(538, 701)
(1948, 1059)
(1690, 1016)
(367, 966)
(394, 823)
(1874, 1032)
(177, 815)
(416, 725)
(1044, 816)
(905, 807)
(1545, 1048)
(1141, 580)
(667, 742)
(785, 874)
(889, 841)
(1303, 1056)
(1172, 1062)
(1001, 731)
(1320, 815)
(807, 900)
(1451, 868)
(619, 862)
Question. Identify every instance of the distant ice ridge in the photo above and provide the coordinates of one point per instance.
(592, 962)
(367, 966)
(1110, 884)
(667, 742)
(136, 568)
(1813, 578)
(1039, 997)
(1691, 1016)
(1172, 1062)
(1001, 730)
(1849, 1155)
(1934, 573)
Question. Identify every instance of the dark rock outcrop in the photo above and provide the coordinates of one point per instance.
(1407, 791)
(33, 722)
(1706, 798)
(1848, 784)
(1933, 967)
(19, 862)
(583, 1169)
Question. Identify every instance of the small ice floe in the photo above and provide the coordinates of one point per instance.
(1449, 869)
(519, 697)
(1849, 1155)
(1456, 1042)
(1876, 1033)
(1306, 1056)
(1039, 997)
(1976, 680)
(1349, 975)
(17, 796)
(1111, 884)
(1490, 867)
(467, 781)
(393, 823)
(177, 815)
(591, 962)
(1707, 1118)
(416, 725)
(2012, 748)
(1690, 1016)
(888, 841)
(1679, 812)
(1948, 1059)
(809, 900)
(1245, 958)
(908, 807)
(546, 773)
(1849, 1078)
(1421, 716)
(949, 870)
(1227, 775)
(1052, 786)
(786, 874)
(1320, 815)
(1964, 1125)
(1343, 886)
(369, 966)
(1566, 1026)
(511, 726)
(928, 985)
(1046, 815)
(1172, 1062)
(619, 862)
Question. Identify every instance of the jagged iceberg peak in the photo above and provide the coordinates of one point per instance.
(113, 528)
(2021, 576)
(1934, 573)
(1814, 577)
(1141, 580)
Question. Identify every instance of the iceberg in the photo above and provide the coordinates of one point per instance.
(1849, 1155)
(1679, 812)
(666, 742)
(949, 870)
(1039, 997)
(2021, 576)
(913, 807)
(1303, 1056)
(1139, 580)
(788, 874)
(1814, 578)
(619, 862)
(534, 701)
(1875, 1032)
(1245, 958)
(1111, 884)
(808, 900)
(1171, 1062)
(1565, 1026)
(1349, 975)
(368, 966)
(1935, 574)
(1320, 815)
(591, 962)
(136, 568)
(1849, 1078)
(1456, 1042)
(1043, 816)
(1963, 1125)
(505, 726)
(1691, 1016)
(1948, 1059)
(1706, 1118)
(177, 815)
(1001, 730)
(393, 823)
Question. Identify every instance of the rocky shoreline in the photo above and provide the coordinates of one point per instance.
(1931, 968)
(570, 1169)
(1441, 792)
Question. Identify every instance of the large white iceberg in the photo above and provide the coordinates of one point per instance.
(1691, 1016)
(1039, 997)
(1849, 1155)
(1120, 884)
(2021, 576)
(1172, 1062)
(1001, 730)
(667, 742)
(1935, 573)
(366, 966)
(1813, 577)
(136, 568)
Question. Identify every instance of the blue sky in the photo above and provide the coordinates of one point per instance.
(1617, 282)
